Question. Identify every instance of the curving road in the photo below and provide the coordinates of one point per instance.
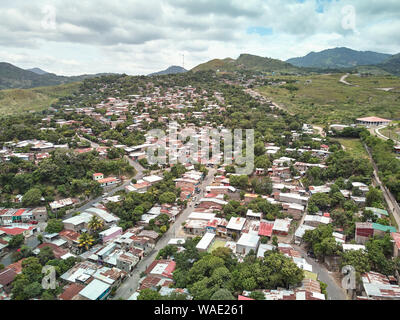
(343, 80)
(380, 135)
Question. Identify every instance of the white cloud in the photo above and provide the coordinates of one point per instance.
(138, 37)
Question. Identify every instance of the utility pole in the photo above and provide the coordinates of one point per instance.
(183, 61)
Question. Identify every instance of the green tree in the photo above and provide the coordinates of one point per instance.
(32, 197)
(358, 259)
(95, 224)
(85, 241)
(54, 226)
(16, 241)
(46, 254)
(320, 200)
(167, 197)
(148, 294)
(222, 294)
(257, 295)
(374, 197)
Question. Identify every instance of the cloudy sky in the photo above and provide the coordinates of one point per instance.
(142, 36)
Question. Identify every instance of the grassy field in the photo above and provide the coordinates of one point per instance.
(354, 147)
(15, 101)
(322, 99)
(217, 244)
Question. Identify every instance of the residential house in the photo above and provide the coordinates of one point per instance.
(78, 223)
(235, 226)
(265, 229)
(110, 234)
(206, 242)
(7, 276)
(315, 221)
(281, 227)
(396, 244)
(379, 287)
(96, 290)
(111, 276)
(162, 268)
(246, 243)
(366, 230)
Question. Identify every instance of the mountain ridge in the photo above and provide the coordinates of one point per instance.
(247, 62)
(340, 57)
(37, 71)
(169, 70)
(392, 65)
(13, 77)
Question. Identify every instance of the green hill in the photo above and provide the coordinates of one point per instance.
(339, 58)
(12, 77)
(13, 101)
(392, 65)
(170, 70)
(227, 64)
(247, 62)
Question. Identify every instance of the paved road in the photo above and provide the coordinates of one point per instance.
(139, 175)
(380, 135)
(131, 285)
(335, 291)
(394, 207)
(93, 144)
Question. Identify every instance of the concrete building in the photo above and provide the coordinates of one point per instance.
(246, 243)
(373, 121)
(78, 222)
(206, 242)
(281, 227)
(96, 290)
(235, 226)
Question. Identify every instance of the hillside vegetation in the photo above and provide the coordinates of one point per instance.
(247, 62)
(15, 101)
(322, 99)
(392, 65)
(339, 58)
(12, 77)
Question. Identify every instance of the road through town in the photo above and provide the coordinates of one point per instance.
(334, 290)
(393, 206)
(139, 175)
(132, 283)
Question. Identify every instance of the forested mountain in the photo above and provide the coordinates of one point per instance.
(339, 58)
(170, 70)
(12, 77)
(247, 62)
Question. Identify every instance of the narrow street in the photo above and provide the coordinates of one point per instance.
(132, 283)
(139, 175)
(393, 206)
(335, 291)
(93, 144)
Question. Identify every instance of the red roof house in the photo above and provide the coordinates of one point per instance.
(265, 229)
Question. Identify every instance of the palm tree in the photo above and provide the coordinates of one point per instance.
(95, 224)
(85, 241)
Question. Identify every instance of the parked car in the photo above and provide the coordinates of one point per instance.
(311, 254)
